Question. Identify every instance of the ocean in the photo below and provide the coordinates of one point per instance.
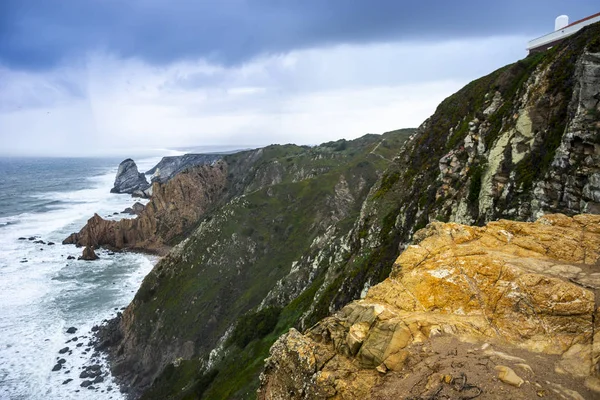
(42, 293)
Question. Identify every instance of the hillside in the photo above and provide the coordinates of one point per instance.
(278, 205)
(301, 232)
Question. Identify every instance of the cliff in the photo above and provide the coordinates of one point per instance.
(280, 203)
(168, 167)
(301, 232)
(173, 210)
(516, 144)
(463, 307)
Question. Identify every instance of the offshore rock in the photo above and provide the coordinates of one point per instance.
(128, 179)
(530, 289)
(173, 209)
(88, 254)
(168, 167)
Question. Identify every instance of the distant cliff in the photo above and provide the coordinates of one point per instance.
(173, 210)
(168, 167)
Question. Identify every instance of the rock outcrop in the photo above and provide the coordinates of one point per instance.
(88, 254)
(129, 180)
(168, 167)
(463, 307)
(135, 209)
(174, 208)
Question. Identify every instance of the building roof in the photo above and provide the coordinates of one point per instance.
(549, 39)
(582, 20)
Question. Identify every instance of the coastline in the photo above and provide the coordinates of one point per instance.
(44, 288)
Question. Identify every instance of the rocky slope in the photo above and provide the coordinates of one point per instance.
(168, 167)
(463, 307)
(280, 204)
(518, 143)
(302, 232)
(129, 179)
(173, 210)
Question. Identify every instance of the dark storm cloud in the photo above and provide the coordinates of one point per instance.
(38, 34)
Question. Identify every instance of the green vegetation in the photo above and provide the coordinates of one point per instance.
(254, 325)
(274, 210)
(475, 175)
(184, 382)
(387, 182)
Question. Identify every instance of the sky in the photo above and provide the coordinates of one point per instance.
(114, 77)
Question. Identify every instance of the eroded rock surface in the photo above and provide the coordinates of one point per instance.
(173, 209)
(528, 289)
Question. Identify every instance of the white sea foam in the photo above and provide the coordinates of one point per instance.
(42, 293)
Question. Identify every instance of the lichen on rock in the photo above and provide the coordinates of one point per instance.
(528, 288)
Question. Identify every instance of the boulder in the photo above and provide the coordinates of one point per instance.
(72, 330)
(88, 254)
(143, 194)
(136, 209)
(129, 179)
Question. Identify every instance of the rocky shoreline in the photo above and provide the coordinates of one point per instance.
(173, 209)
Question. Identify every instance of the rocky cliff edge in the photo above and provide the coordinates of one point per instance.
(506, 310)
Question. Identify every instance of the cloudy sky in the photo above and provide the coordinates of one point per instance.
(115, 77)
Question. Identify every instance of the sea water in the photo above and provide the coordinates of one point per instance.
(42, 293)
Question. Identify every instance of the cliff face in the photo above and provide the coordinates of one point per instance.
(174, 209)
(518, 143)
(511, 300)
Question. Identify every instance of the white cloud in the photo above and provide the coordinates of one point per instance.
(109, 105)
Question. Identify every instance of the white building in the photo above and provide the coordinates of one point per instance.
(562, 30)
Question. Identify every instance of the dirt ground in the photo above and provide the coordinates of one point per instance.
(446, 368)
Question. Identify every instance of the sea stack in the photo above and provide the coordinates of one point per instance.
(88, 254)
(129, 179)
